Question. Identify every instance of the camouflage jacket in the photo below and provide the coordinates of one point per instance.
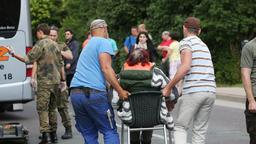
(49, 61)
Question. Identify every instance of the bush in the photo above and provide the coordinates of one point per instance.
(227, 69)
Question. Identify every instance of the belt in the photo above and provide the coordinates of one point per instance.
(85, 90)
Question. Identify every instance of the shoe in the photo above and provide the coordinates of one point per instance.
(67, 134)
(40, 137)
(53, 137)
(44, 138)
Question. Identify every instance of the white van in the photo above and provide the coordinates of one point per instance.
(15, 31)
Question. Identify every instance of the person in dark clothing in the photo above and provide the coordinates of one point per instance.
(70, 65)
(143, 41)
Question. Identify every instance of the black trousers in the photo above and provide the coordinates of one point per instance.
(69, 78)
(143, 138)
(250, 123)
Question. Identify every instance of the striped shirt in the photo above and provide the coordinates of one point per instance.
(200, 77)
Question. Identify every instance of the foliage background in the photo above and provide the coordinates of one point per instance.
(225, 23)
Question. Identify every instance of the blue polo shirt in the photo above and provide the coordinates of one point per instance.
(88, 71)
(130, 42)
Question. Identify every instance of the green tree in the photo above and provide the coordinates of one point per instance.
(46, 11)
(225, 24)
(40, 11)
(120, 16)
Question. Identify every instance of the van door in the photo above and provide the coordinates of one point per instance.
(12, 70)
(13, 34)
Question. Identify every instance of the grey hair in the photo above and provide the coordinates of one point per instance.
(53, 27)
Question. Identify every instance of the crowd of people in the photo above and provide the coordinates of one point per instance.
(60, 73)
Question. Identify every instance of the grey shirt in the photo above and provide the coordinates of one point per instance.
(248, 60)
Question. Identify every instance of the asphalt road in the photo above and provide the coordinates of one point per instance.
(227, 125)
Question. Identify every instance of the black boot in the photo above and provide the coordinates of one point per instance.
(44, 139)
(53, 137)
(67, 134)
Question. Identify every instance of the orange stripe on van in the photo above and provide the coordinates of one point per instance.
(3, 51)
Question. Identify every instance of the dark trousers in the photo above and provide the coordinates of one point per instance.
(143, 138)
(69, 78)
(94, 114)
(250, 124)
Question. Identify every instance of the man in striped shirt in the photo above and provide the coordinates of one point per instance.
(198, 94)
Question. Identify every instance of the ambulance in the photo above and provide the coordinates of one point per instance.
(15, 76)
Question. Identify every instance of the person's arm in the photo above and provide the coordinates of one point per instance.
(186, 59)
(126, 49)
(34, 70)
(67, 54)
(31, 57)
(162, 47)
(169, 52)
(126, 43)
(74, 48)
(33, 81)
(62, 74)
(105, 63)
(246, 72)
(63, 83)
(18, 57)
(247, 61)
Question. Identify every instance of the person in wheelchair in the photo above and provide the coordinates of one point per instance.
(139, 74)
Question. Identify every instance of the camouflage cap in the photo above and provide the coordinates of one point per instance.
(98, 23)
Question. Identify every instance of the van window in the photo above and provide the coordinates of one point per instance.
(9, 17)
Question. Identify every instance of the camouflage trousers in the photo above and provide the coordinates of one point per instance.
(46, 107)
(62, 105)
(250, 124)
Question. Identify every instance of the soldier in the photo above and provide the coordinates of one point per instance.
(62, 98)
(248, 67)
(48, 58)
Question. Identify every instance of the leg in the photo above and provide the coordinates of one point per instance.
(52, 114)
(42, 104)
(63, 111)
(102, 114)
(187, 107)
(135, 137)
(84, 123)
(146, 137)
(52, 109)
(201, 118)
(250, 124)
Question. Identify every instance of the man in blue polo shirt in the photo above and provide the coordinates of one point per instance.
(88, 88)
(130, 40)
